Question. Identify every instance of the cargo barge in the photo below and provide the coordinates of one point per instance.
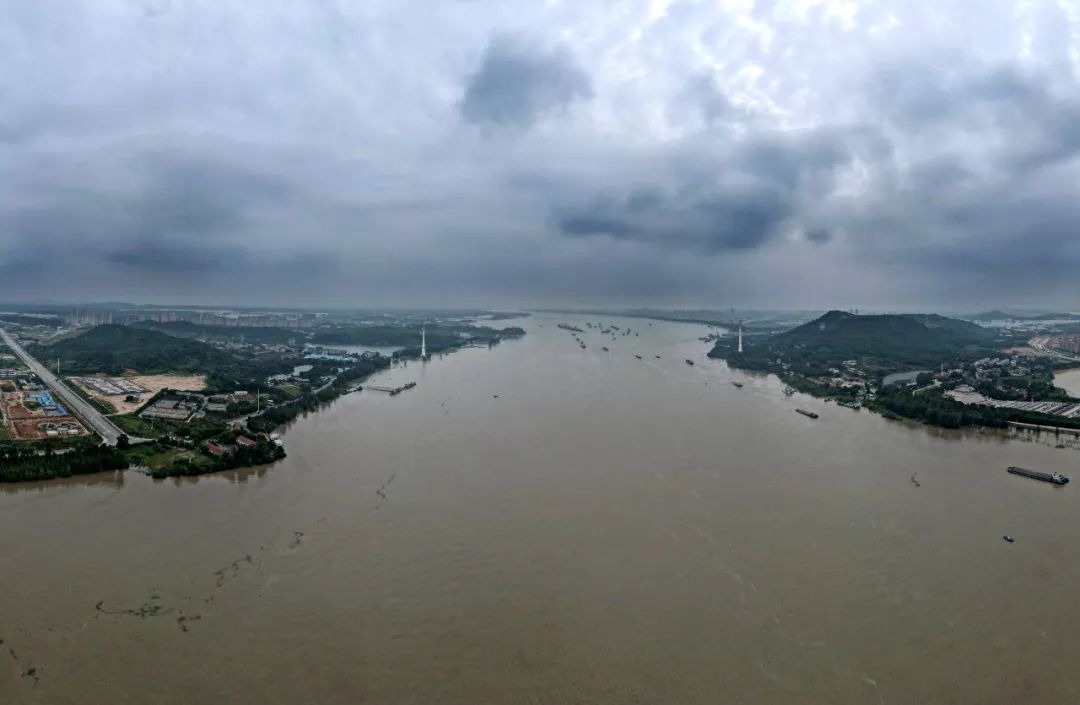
(804, 412)
(1053, 478)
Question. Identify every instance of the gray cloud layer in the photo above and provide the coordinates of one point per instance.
(517, 84)
(778, 152)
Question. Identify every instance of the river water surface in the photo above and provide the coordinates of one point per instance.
(1069, 380)
(537, 523)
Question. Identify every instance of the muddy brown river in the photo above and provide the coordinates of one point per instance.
(537, 523)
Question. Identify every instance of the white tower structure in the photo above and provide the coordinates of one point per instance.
(737, 322)
(423, 343)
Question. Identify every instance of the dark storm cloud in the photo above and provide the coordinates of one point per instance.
(152, 256)
(172, 197)
(818, 235)
(993, 198)
(703, 95)
(1040, 120)
(518, 82)
(667, 149)
(740, 198)
(182, 218)
(722, 220)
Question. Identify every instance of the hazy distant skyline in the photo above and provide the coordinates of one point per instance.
(797, 154)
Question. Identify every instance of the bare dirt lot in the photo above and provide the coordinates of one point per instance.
(31, 429)
(152, 384)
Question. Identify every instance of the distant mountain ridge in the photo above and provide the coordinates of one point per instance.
(998, 315)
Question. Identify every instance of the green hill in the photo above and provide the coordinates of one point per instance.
(878, 343)
(869, 334)
(113, 349)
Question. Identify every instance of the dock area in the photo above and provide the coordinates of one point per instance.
(392, 391)
(1041, 428)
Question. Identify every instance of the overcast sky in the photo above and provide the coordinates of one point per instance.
(795, 153)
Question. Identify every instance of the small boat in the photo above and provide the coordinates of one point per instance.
(1008, 538)
(789, 390)
(690, 362)
(809, 414)
(657, 357)
(738, 384)
(605, 350)
(638, 356)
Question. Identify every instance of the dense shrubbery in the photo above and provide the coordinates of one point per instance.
(249, 334)
(21, 462)
(114, 349)
(262, 453)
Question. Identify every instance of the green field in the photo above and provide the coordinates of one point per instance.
(137, 427)
(291, 391)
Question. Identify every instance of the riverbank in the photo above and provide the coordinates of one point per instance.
(205, 447)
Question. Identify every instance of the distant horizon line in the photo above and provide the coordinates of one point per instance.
(54, 304)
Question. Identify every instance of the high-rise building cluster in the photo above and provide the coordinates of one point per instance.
(96, 317)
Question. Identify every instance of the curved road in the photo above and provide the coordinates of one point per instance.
(93, 419)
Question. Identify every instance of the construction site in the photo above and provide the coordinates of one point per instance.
(31, 413)
(127, 394)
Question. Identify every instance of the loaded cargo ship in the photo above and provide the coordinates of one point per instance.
(804, 412)
(1055, 478)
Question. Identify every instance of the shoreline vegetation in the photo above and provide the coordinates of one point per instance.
(244, 435)
(845, 357)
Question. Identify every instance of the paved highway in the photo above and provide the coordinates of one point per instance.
(91, 417)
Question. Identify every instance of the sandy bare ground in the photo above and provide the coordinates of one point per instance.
(152, 384)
